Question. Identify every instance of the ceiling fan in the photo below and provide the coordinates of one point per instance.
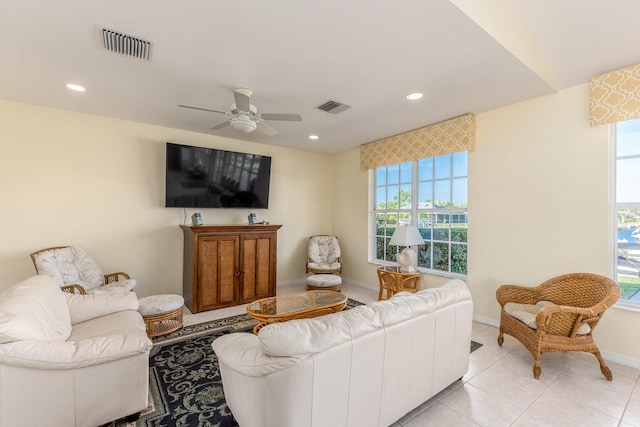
(244, 116)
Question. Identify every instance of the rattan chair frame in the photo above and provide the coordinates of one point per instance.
(163, 323)
(75, 287)
(392, 282)
(579, 298)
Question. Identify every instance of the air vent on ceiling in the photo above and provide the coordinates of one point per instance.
(125, 44)
(333, 107)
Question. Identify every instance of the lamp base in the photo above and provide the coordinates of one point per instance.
(407, 260)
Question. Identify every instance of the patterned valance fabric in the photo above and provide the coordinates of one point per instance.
(615, 96)
(449, 136)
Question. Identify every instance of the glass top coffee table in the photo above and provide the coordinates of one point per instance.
(295, 306)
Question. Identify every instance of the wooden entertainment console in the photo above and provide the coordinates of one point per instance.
(226, 265)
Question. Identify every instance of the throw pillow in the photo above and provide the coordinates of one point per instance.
(34, 309)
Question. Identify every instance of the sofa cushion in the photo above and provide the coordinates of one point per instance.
(307, 336)
(34, 309)
(126, 323)
(70, 265)
(91, 306)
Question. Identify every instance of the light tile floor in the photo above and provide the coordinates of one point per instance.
(499, 388)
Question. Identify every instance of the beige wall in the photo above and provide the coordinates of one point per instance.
(538, 200)
(538, 207)
(77, 179)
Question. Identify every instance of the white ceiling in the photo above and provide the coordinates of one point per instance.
(296, 55)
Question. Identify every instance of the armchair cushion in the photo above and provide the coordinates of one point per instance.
(115, 287)
(324, 249)
(34, 309)
(68, 265)
(526, 313)
(320, 266)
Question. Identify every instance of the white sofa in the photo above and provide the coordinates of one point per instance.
(70, 360)
(367, 366)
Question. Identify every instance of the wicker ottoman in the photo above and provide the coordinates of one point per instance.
(324, 282)
(161, 313)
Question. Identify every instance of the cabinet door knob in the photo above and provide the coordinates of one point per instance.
(237, 273)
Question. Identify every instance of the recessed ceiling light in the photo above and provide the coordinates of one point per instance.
(77, 88)
(314, 137)
(414, 96)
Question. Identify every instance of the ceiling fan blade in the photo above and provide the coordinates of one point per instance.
(281, 117)
(243, 102)
(221, 125)
(266, 129)
(201, 109)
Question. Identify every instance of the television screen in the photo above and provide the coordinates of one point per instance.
(199, 177)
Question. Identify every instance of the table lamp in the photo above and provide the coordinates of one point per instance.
(407, 235)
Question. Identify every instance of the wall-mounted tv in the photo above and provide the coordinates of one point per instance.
(198, 177)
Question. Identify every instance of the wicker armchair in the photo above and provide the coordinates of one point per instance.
(76, 272)
(568, 308)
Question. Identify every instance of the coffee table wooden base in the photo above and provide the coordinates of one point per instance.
(295, 306)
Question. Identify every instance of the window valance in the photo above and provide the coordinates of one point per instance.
(615, 96)
(449, 136)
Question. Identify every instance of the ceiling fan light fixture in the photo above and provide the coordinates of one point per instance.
(243, 123)
(414, 96)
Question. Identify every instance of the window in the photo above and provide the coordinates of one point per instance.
(432, 194)
(627, 209)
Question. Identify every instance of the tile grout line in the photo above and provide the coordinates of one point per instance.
(626, 406)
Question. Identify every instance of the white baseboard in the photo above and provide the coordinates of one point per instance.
(607, 355)
(291, 282)
(303, 280)
(364, 285)
(486, 320)
(621, 359)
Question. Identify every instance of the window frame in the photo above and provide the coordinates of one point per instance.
(615, 206)
(415, 212)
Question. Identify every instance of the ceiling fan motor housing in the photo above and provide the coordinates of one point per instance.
(243, 123)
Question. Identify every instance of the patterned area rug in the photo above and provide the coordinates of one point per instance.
(185, 388)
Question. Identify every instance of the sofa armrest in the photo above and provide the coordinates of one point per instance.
(91, 306)
(241, 352)
(73, 354)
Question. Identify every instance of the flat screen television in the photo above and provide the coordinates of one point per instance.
(198, 177)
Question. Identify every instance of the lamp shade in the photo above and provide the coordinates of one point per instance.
(406, 235)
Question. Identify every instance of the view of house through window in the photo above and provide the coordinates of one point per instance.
(432, 194)
(627, 206)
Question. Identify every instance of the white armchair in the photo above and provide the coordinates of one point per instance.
(324, 255)
(75, 271)
(69, 360)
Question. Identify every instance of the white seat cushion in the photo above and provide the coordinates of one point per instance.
(526, 313)
(159, 304)
(120, 286)
(326, 266)
(324, 280)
